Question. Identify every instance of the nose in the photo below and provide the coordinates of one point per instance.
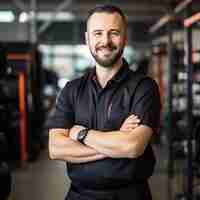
(106, 39)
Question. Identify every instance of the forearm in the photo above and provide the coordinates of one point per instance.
(61, 147)
(115, 144)
(119, 144)
(82, 159)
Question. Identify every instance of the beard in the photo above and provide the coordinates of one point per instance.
(107, 61)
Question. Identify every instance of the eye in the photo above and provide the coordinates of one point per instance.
(97, 34)
(114, 33)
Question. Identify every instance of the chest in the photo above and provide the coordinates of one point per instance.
(105, 110)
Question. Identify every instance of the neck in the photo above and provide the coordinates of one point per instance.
(105, 74)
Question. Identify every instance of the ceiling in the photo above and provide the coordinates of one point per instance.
(134, 9)
(141, 14)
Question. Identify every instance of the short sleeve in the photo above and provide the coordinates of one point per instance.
(62, 115)
(146, 104)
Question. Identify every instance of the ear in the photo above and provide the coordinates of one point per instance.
(86, 38)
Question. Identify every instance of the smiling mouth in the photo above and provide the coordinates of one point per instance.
(106, 53)
(105, 50)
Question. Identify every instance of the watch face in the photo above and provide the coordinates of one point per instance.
(81, 135)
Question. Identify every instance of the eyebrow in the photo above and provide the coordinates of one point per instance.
(115, 30)
(98, 30)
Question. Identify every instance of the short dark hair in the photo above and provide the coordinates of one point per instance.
(107, 9)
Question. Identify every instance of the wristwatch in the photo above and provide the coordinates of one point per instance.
(82, 135)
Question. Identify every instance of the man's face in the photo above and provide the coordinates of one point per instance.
(106, 37)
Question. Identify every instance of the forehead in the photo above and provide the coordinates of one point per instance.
(102, 21)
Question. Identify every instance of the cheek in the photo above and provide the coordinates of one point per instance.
(117, 41)
(93, 45)
(90, 44)
(120, 40)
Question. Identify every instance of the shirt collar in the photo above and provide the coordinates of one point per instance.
(122, 73)
(118, 77)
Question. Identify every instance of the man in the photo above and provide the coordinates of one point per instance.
(95, 127)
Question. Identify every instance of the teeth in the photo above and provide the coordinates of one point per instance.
(105, 49)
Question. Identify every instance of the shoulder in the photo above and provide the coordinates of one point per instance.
(72, 88)
(141, 86)
(143, 80)
(139, 80)
(148, 82)
(75, 83)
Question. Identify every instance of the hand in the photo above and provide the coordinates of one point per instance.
(130, 123)
(73, 132)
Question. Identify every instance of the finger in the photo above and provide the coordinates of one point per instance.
(132, 121)
(134, 117)
(126, 129)
(131, 118)
(131, 126)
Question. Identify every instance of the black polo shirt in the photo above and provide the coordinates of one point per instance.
(84, 102)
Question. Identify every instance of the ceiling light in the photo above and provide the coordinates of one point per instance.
(7, 16)
(23, 17)
(46, 16)
(61, 16)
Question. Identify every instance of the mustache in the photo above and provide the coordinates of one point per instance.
(109, 46)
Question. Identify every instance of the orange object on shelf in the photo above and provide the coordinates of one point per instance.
(19, 56)
(23, 116)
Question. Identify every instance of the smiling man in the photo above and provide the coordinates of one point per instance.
(103, 122)
(106, 40)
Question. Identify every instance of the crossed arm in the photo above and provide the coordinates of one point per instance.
(62, 147)
(129, 142)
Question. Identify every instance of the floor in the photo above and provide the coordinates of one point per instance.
(41, 180)
(46, 180)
